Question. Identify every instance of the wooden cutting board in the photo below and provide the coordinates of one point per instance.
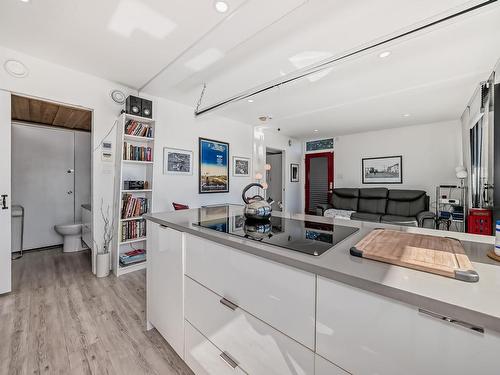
(440, 255)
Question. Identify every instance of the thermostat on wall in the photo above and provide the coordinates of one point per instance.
(107, 154)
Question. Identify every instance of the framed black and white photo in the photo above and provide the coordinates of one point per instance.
(241, 166)
(177, 161)
(294, 173)
(382, 170)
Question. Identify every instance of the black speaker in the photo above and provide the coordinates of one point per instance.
(147, 108)
(133, 105)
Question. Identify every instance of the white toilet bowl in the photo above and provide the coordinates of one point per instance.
(72, 234)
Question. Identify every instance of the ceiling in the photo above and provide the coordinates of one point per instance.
(35, 111)
(169, 48)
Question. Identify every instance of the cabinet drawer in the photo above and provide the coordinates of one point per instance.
(257, 346)
(281, 296)
(324, 367)
(366, 333)
(204, 358)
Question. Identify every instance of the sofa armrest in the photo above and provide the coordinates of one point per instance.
(426, 219)
(320, 209)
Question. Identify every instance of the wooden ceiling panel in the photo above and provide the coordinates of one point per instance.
(46, 113)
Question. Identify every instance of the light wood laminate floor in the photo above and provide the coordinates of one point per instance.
(61, 319)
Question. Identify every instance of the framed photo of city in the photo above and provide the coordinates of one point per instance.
(176, 161)
(241, 167)
(214, 166)
(382, 170)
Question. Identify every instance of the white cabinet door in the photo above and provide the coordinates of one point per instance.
(259, 348)
(165, 284)
(5, 181)
(282, 296)
(324, 367)
(204, 358)
(87, 227)
(365, 333)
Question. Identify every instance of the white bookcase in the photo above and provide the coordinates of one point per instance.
(136, 171)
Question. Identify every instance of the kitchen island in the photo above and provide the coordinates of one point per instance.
(230, 304)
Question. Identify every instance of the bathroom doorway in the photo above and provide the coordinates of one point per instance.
(50, 174)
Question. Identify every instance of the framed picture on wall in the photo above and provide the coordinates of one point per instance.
(294, 173)
(177, 161)
(382, 170)
(241, 166)
(213, 172)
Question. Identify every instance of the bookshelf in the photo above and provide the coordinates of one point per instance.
(133, 161)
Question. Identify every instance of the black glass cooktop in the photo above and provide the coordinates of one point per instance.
(304, 236)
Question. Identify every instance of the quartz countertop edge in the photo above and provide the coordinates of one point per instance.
(422, 290)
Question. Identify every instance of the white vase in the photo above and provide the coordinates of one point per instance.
(102, 266)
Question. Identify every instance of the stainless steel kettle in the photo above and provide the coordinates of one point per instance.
(256, 207)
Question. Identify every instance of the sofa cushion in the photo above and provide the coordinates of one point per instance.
(345, 199)
(373, 200)
(363, 216)
(410, 221)
(406, 202)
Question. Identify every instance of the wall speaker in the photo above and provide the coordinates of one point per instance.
(147, 108)
(133, 105)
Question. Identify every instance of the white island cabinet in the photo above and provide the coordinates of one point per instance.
(165, 284)
(365, 333)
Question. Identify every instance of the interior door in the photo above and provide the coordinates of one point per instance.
(43, 181)
(319, 180)
(5, 157)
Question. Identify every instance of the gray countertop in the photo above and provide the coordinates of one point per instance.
(477, 303)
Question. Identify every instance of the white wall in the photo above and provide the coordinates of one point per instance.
(271, 138)
(177, 127)
(430, 153)
(57, 83)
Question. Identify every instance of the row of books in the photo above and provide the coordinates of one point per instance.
(137, 153)
(132, 257)
(133, 229)
(133, 207)
(139, 129)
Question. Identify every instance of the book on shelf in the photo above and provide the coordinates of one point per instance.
(132, 257)
(130, 230)
(138, 129)
(137, 153)
(133, 206)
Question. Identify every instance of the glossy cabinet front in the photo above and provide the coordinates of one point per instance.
(259, 348)
(165, 284)
(365, 333)
(281, 296)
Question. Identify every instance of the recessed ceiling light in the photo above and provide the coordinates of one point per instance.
(221, 6)
(315, 130)
(25, 1)
(250, 100)
(15, 68)
(406, 115)
(384, 54)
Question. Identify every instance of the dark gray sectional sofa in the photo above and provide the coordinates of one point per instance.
(381, 205)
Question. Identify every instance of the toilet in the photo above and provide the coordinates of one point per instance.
(72, 234)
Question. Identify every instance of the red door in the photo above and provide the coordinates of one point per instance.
(319, 180)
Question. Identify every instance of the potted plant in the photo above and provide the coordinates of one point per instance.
(103, 254)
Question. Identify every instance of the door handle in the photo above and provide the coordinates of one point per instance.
(229, 360)
(463, 324)
(229, 304)
(70, 192)
(4, 202)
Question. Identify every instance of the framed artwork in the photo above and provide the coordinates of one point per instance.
(294, 173)
(318, 145)
(177, 161)
(382, 170)
(213, 174)
(241, 166)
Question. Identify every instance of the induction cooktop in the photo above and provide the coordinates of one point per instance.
(303, 236)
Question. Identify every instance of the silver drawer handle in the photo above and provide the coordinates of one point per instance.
(228, 304)
(453, 321)
(227, 358)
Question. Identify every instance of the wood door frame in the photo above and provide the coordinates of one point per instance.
(330, 157)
